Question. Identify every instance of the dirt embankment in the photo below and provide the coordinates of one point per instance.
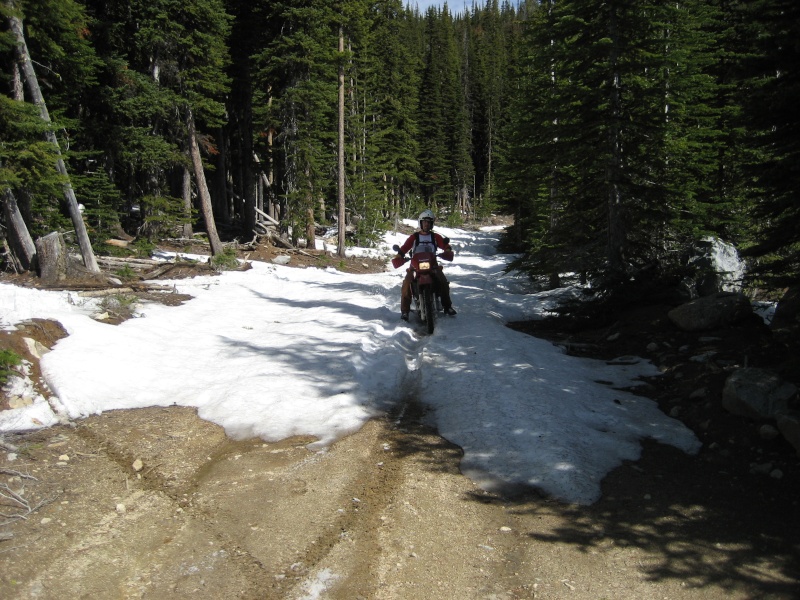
(156, 503)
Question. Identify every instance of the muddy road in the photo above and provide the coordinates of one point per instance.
(157, 503)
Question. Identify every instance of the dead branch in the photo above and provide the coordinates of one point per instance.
(18, 503)
(14, 473)
(273, 236)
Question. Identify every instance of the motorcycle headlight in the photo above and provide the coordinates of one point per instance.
(424, 265)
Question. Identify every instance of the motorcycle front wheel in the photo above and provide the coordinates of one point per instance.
(430, 312)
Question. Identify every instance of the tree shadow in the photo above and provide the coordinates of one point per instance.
(698, 525)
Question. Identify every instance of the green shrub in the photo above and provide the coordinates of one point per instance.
(226, 261)
(120, 306)
(126, 272)
(8, 360)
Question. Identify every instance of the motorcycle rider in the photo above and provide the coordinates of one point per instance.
(425, 240)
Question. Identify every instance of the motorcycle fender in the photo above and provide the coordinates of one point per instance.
(425, 280)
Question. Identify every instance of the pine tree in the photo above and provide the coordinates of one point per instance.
(618, 132)
(775, 135)
(298, 71)
(444, 126)
(396, 92)
(165, 65)
(24, 64)
(491, 34)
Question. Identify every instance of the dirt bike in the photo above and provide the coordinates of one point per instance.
(424, 265)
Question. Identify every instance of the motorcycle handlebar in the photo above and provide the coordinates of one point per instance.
(401, 259)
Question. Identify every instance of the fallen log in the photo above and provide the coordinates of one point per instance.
(159, 271)
(105, 292)
(134, 263)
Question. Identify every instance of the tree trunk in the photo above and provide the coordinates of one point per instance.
(187, 203)
(32, 83)
(311, 235)
(340, 186)
(52, 257)
(18, 236)
(616, 235)
(219, 182)
(202, 187)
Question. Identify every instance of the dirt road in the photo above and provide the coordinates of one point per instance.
(157, 503)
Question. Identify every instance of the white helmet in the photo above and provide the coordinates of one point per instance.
(427, 215)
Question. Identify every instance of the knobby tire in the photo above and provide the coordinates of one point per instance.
(430, 310)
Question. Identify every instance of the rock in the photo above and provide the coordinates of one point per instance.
(762, 469)
(652, 347)
(711, 312)
(768, 432)
(718, 267)
(121, 509)
(699, 394)
(613, 337)
(37, 349)
(704, 357)
(789, 426)
(137, 465)
(624, 360)
(19, 401)
(756, 394)
(786, 319)
(282, 259)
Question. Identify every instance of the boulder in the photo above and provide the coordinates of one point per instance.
(718, 267)
(757, 394)
(711, 312)
(787, 312)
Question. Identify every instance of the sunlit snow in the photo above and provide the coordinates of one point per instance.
(277, 351)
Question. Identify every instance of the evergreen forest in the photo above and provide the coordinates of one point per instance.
(617, 133)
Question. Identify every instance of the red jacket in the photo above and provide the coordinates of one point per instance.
(410, 243)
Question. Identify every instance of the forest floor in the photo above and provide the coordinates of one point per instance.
(156, 503)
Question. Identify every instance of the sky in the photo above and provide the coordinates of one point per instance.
(276, 351)
(454, 6)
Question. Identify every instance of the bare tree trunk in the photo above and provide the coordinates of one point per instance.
(18, 236)
(25, 63)
(311, 235)
(187, 203)
(16, 85)
(340, 247)
(202, 187)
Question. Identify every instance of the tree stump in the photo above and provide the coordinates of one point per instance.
(52, 258)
